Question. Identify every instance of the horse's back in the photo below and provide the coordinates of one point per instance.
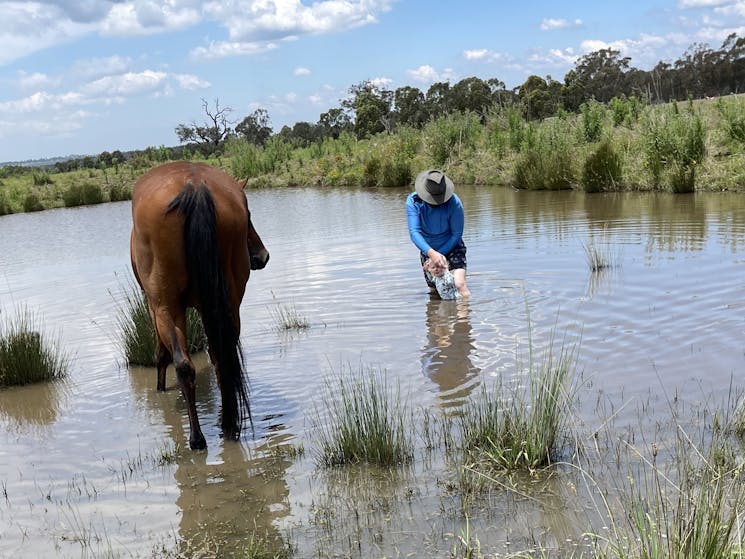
(157, 243)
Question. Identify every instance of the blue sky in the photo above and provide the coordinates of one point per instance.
(84, 76)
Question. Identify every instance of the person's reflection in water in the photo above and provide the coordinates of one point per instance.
(446, 357)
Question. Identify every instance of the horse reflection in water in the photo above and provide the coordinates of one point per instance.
(193, 245)
(446, 358)
(231, 494)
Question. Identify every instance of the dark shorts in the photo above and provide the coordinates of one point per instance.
(456, 260)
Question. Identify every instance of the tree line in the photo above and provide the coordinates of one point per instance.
(369, 109)
(602, 76)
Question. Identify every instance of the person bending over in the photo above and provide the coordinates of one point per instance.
(435, 217)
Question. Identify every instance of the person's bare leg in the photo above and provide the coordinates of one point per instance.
(459, 275)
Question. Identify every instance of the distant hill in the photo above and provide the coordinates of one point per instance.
(39, 162)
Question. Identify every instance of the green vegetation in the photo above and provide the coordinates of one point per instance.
(366, 423)
(26, 355)
(511, 429)
(286, 317)
(137, 335)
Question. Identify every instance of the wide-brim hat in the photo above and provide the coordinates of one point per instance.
(434, 187)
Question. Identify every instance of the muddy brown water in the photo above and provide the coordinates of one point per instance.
(79, 468)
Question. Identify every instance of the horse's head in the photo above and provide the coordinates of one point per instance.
(256, 249)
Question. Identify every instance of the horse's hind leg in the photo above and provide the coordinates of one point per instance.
(163, 358)
(171, 333)
(231, 427)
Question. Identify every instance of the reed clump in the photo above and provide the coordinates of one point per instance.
(687, 505)
(26, 355)
(507, 429)
(366, 423)
(137, 335)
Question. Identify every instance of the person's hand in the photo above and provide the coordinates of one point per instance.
(437, 258)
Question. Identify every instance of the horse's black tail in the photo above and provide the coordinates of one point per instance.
(207, 279)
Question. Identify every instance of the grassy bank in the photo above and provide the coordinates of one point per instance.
(622, 145)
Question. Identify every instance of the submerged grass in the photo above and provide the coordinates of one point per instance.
(137, 334)
(601, 257)
(367, 423)
(26, 354)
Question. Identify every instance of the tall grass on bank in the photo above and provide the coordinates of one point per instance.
(602, 169)
(137, 334)
(26, 355)
(507, 429)
(546, 157)
(366, 422)
(674, 145)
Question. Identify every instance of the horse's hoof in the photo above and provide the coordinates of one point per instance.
(197, 443)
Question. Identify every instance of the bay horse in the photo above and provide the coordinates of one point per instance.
(193, 245)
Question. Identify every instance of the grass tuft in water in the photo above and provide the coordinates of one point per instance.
(366, 423)
(519, 429)
(601, 258)
(26, 355)
(691, 512)
(137, 334)
(286, 317)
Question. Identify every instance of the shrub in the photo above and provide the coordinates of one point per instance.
(82, 194)
(592, 115)
(675, 142)
(119, 192)
(26, 356)
(545, 160)
(602, 168)
(732, 113)
(32, 203)
(5, 207)
(370, 171)
(450, 135)
(41, 178)
(396, 173)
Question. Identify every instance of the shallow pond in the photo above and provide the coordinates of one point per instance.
(85, 464)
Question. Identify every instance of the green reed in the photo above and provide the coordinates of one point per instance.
(507, 429)
(286, 317)
(136, 332)
(603, 168)
(26, 355)
(545, 160)
(366, 423)
(692, 511)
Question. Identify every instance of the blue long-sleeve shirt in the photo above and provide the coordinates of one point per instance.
(438, 227)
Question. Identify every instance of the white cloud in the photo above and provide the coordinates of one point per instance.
(191, 82)
(702, 3)
(428, 75)
(381, 82)
(549, 24)
(301, 71)
(127, 84)
(145, 17)
(222, 49)
(264, 20)
(35, 80)
(96, 67)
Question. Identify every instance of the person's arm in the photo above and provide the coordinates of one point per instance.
(415, 226)
(457, 222)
